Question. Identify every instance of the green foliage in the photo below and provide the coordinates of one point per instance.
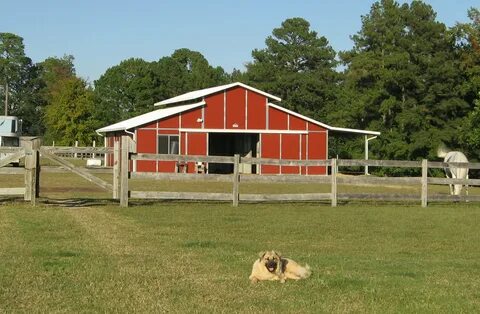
(298, 66)
(196, 70)
(125, 90)
(20, 77)
(132, 87)
(69, 116)
(53, 71)
(407, 76)
(471, 129)
(404, 79)
(13, 62)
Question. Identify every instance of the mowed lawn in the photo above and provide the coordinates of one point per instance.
(196, 257)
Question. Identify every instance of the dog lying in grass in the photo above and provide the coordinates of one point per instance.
(272, 266)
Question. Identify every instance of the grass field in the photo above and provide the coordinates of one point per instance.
(196, 257)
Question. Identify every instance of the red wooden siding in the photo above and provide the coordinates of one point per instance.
(297, 124)
(151, 125)
(214, 111)
(270, 149)
(256, 111)
(314, 127)
(196, 145)
(304, 152)
(235, 108)
(277, 120)
(290, 150)
(189, 118)
(146, 144)
(169, 123)
(183, 141)
(317, 146)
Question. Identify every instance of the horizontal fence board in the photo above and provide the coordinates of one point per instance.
(10, 149)
(438, 164)
(78, 150)
(286, 197)
(184, 158)
(284, 162)
(181, 195)
(285, 178)
(371, 180)
(12, 170)
(182, 176)
(378, 196)
(454, 181)
(379, 163)
(12, 191)
(453, 198)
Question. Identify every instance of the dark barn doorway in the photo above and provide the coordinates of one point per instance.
(229, 144)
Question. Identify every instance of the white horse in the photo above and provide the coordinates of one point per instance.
(455, 172)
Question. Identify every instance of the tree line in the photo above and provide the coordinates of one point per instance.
(407, 76)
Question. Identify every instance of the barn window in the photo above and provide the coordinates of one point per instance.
(168, 144)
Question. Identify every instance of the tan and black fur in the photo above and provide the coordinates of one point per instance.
(272, 266)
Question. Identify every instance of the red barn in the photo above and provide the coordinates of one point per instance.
(223, 121)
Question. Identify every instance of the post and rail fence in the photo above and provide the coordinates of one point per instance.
(123, 154)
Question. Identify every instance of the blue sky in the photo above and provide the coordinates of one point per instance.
(100, 34)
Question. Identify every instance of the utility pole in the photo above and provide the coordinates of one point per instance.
(6, 99)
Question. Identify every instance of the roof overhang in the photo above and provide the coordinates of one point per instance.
(323, 125)
(148, 118)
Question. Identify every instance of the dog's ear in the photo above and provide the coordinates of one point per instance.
(277, 253)
(262, 254)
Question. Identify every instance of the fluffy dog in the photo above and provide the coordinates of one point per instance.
(272, 266)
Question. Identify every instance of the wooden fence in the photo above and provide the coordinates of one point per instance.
(30, 190)
(123, 154)
(333, 179)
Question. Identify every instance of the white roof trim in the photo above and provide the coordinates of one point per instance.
(190, 130)
(148, 117)
(212, 90)
(323, 125)
(347, 130)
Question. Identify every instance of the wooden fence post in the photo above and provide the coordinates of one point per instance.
(116, 170)
(124, 171)
(31, 175)
(333, 167)
(236, 179)
(75, 155)
(424, 182)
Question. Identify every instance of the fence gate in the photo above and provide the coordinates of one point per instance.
(49, 152)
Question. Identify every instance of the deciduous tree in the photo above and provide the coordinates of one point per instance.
(69, 117)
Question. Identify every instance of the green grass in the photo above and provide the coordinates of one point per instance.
(196, 257)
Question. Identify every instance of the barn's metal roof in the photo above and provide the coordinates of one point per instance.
(198, 94)
(323, 125)
(148, 117)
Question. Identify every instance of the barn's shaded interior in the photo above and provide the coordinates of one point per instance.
(229, 144)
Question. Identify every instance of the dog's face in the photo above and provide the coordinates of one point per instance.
(271, 260)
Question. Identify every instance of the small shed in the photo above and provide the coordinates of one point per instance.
(223, 121)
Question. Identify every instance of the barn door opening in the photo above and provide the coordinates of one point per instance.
(229, 144)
